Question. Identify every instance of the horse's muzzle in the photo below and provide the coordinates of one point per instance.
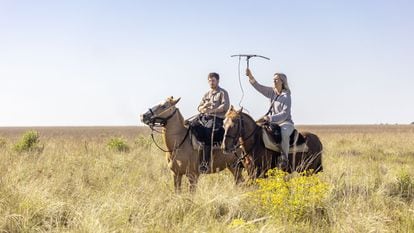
(145, 118)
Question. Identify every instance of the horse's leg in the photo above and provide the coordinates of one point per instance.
(258, 171)
(266, 163)
(319, 167)
(177, 182)
(316, 162)
(236, 170)
(192, 179)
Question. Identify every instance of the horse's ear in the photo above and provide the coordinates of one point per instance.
(241, 110)
(231, 108)
(174, 102)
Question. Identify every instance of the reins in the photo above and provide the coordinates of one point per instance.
(163, 122)
(241, 132)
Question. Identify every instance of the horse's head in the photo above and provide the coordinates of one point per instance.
(160, 113)
(232, 130)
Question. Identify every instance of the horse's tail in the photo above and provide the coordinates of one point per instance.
(315, 151)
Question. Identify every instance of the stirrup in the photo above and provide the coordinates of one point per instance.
(203, 167)
(282, 162)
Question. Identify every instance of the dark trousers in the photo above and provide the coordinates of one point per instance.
(210, 131)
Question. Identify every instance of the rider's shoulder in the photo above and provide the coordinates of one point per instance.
(223, 90)
(285, 95)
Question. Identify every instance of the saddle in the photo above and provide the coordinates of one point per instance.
(272, 138)
(199, 141)
(201, 134)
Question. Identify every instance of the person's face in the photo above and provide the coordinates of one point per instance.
(213, 82)
(277, 81)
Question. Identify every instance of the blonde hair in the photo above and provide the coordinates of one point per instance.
(285, 85)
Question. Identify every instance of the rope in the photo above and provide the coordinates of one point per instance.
(212, 137)
(241, 88)
(240, 83)
(176, 147)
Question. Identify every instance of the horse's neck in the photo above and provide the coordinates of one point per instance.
(174, 131)
(250, 131)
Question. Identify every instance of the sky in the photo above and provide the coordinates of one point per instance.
(89, 63)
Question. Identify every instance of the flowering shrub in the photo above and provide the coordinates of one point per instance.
(28, 142)
(118, 144)
(405, 185)
(292, 197)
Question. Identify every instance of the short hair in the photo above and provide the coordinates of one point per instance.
(213, 75)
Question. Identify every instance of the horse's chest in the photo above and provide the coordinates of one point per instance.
(174, 163)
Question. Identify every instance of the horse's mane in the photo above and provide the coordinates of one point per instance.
(232, 114)
(248, 116)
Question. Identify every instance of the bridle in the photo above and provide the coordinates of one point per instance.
(156, 121)
(239, 136)
(160, 121)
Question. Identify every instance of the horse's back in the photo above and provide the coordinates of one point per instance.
(313, 141)
(315, 151)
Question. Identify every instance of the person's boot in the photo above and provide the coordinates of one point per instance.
(282, 162)
(205, 162)
(201, 166)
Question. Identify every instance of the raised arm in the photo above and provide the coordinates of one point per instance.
(266, 91)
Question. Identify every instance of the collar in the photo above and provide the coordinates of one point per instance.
(218, 89)
(284, 92)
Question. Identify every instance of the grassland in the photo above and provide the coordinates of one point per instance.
(77, 184)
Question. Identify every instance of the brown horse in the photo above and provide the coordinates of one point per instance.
(181, 156)
(242, 131)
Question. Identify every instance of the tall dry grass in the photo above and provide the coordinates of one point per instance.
(78, 184)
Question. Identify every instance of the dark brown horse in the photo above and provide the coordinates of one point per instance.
(242, 131)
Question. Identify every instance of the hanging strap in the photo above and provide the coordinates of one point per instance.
(179, 145)
(271, 105)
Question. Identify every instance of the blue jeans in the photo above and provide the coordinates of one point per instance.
(285, 130)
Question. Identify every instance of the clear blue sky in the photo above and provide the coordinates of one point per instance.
(106, 62)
